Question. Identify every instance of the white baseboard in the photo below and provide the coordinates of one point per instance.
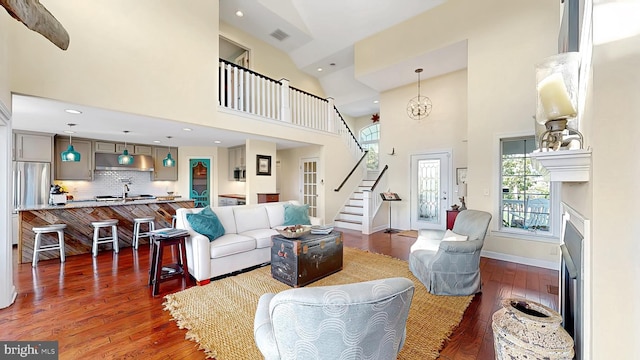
(522, 260)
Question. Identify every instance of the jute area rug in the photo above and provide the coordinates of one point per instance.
(219, 316)
(409, 233)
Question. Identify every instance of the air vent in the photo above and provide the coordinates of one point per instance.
(279, 34)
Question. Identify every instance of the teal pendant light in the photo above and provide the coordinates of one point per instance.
(125, 158)
(70, 154)
(169, 161)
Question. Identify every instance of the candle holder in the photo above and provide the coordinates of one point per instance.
(558, 135)
(556, 111)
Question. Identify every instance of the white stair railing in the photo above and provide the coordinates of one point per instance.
(244, 90)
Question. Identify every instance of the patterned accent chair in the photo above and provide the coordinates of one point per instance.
(451, 267)
(363, 320)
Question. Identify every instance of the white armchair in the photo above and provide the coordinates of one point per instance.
(355, 321)
(451, 267)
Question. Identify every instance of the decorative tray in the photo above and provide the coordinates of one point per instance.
(294, 232)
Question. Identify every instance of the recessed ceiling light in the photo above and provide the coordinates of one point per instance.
(375, 101)
(239, 13)
(217, 141)
(332, 64)
(73, 111)
(186, 129)
(156, 141)
(319, 69)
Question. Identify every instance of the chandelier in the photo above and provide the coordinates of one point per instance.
(419, 107)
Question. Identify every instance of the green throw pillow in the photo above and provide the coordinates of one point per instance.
(296, 215)
(206, 222)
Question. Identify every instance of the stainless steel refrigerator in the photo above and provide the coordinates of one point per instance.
(31, 183)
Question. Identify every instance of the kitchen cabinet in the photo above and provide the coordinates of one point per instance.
(71, 170)
(33, 147)
(237, 168)
(104, 147)
(160, 172)
(133, 149)
(142, 150)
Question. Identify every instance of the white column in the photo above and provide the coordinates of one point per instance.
(285, 105)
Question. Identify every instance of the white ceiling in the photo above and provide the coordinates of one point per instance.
(320, 33)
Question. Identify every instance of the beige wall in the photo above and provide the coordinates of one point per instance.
(615, 168)
(5, 90)
(504, 44)
(259, 183)
(272, 62)
(135, 57)
(443, 130)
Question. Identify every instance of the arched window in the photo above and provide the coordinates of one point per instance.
(369, 139)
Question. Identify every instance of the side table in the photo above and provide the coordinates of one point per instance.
(158, 272)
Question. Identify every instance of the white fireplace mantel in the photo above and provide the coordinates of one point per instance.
(565, 165)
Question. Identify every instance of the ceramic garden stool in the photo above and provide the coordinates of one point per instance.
(137, 234)
(97, 225)
(38, 247)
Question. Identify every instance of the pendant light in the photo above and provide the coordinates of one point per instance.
(169, 161)
(70, 154)
(125, 158)
(419, 107)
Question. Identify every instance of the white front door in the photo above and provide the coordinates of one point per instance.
(430, 190)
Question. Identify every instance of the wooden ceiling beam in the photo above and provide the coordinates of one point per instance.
(37, 18)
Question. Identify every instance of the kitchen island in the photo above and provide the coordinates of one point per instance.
(78, 216)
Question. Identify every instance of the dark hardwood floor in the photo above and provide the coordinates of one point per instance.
(103, 308)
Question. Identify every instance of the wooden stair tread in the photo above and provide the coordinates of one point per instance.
(350, 221)
(350, 213)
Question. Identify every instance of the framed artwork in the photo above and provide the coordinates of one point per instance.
(263, 165)
(461, 176)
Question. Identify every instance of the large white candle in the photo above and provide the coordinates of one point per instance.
(555, 98)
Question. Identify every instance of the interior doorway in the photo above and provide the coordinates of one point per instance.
(199, 182)
(430, 195)
(234, 52)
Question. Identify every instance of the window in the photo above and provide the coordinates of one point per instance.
(369, 138)
(526, 195)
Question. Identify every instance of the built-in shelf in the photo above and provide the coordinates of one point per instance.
(565, 165)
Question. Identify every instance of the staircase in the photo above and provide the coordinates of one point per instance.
(350, 217)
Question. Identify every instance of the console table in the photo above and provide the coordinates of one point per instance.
(451, 218)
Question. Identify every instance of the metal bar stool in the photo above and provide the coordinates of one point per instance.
(97, 225)
(173, 221)
(38, 247)
(136, 229)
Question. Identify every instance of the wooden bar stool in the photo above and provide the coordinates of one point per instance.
(38, 247)
(158, 272)
(97, 225)
(136, 229)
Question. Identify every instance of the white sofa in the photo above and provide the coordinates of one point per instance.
(245, 243)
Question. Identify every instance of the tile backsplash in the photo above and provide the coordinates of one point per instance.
(110, 183)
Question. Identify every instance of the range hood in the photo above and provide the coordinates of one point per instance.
(106, 161)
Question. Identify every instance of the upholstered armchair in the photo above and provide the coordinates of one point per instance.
(354, 321)
(451, 265)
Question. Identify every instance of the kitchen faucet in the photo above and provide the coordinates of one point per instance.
(125, 190)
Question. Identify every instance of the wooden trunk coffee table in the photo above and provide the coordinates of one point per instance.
(298, 262)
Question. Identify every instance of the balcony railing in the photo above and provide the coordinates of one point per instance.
(244, 90)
